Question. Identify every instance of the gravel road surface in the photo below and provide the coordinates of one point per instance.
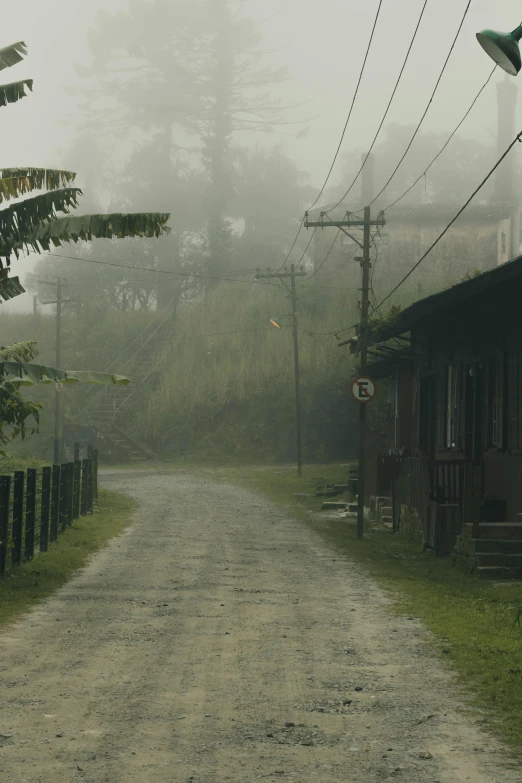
(218, 640)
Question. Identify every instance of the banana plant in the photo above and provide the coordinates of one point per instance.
(17, 369)
(35, 222)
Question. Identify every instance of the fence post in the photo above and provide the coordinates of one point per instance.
(55, 502)
(90, 499)
(83, 504)
(77, 482)
(30, 513)
(95, 475)
(5, 497)
(46, 507)
(18, 515)
(70, 492)
(63, 497)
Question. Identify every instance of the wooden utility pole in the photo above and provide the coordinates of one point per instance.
(58, 285)
(350, 221)
(283, 276)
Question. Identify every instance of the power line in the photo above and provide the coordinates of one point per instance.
(437, 240)
(325, 259)
(387, 108)
(461, 210)
(342, 134)
(351, 107)
(437, 156)
(427, 107)
(167, 271)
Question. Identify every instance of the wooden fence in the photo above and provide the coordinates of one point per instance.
(36, 506)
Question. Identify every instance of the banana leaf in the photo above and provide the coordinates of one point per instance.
(10, 286)
(19, 352)
(28, 374)
(18, 220)
(11, 93)
(18, 182)
(87, 227)
(13, 54)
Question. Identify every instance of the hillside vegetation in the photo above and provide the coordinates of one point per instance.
(226, 389)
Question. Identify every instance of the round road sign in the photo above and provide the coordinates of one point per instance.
(363, 389)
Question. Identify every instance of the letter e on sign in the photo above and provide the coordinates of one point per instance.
(363, 389)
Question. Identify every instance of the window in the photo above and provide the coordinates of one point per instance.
(451, 407)
(496, 390)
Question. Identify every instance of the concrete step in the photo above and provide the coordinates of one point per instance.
(504, 560)
(340, 488)
(501, 530)
(496, 546)
(497, 572)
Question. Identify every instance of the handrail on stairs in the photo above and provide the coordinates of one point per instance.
(97, 393)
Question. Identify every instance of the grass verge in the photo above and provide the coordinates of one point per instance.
(26, 585)
(473, 623)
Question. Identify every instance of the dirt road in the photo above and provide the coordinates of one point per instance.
(218, 639)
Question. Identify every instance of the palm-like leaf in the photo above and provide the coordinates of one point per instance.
(10, 286)
(87, 227)
(27, 374)
(13, 54)
(18, 182)
(19, 220)
(19, 352)
(11, 93)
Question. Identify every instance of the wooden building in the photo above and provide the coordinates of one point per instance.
(452, 364)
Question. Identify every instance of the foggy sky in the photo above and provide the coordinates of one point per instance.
(324, 45)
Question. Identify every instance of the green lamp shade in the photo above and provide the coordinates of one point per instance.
(503, 48)
(276, 322)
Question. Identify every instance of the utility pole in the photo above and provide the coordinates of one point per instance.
(283, 276)
(351, 221)
(58, 285)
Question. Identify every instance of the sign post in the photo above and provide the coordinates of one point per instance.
(363, 391)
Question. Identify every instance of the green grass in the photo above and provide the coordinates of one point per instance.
(471, 621)
(26, 585)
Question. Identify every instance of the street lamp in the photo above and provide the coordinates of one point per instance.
(503, 48)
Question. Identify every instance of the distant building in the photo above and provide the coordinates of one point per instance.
(484, 236)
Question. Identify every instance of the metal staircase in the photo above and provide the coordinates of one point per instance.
(105, 411)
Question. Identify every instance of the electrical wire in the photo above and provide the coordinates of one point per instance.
(351, 107)
(169, 272)
(343, 134)
(518, 138)
(437, 156)
(325, 259)
(427, 107)
(387, 108)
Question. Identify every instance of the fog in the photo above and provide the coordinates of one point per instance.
(322, 46)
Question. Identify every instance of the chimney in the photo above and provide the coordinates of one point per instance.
(505, 174)
(368, 176)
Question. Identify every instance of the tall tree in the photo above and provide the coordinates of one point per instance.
(197, 79)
